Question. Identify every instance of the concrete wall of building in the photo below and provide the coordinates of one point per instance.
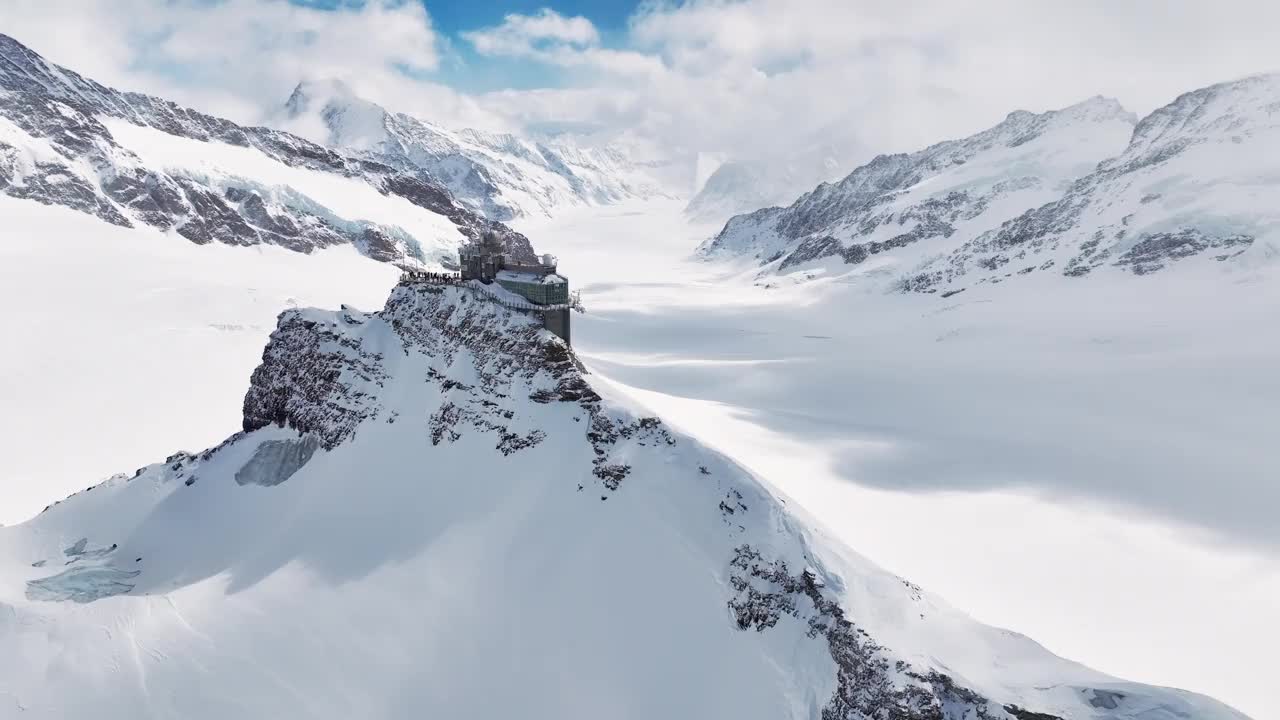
(557, 321)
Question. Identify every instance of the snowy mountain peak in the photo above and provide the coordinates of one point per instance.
(1097, 109)
(441, 484)
(500, 175)
(901, 206)
(1193, 182)
(341, 117)
(1227, 112)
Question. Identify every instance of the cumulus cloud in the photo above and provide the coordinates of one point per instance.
(772, 79)
(532, 35)
(241, 58)
(552, 38)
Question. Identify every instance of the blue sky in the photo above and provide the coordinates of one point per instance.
(748, 78)
(454, 16)
(466, 70)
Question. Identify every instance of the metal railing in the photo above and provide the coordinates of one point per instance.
(455, 280)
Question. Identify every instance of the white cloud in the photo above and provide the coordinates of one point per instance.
(752, 78)
(534, 35)
(768, 78)
(241, 58)
(552, 38)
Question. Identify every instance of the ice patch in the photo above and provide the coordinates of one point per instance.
(276, 461)
(82, 584)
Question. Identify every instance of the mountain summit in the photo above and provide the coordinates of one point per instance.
(900, 207)
(497, 174)
(431, 509)
(1196, 179)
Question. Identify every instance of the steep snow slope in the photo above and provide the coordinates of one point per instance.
(1196, 180)
(228, 168)
(898, 208)
(430, 509)
(499, 175)
(59, 145)
(123, 344)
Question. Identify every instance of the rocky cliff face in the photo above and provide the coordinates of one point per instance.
(904, 201)
(56, 149)
(498, 175)
(441, 471)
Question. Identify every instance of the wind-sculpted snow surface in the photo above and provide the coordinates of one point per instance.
(66, 140)
(431, 510)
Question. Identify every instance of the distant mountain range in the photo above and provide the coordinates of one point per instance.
(1081, 190)
(743, 185)
(501, 176)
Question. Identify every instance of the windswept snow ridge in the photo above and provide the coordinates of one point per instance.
(430, 508)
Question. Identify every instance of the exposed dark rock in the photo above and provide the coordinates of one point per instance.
(307, 381)
(1153, 252)
(867, 684)
(1023, 714)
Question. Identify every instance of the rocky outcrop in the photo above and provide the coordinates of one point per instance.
(318, 377)
(312, 379)
(869, 683)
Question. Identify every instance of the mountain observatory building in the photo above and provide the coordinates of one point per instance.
(538, 283)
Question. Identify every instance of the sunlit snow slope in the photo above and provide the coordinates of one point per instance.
(431, 511)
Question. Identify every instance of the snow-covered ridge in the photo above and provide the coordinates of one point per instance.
(905, 205)
(1196, 180)
(1071, 191)
(499, 175)
(741, 186)
(68, 140)
(439, 484)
